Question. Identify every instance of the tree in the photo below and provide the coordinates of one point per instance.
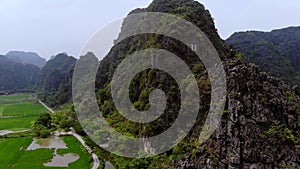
(44, 120)
(42, 126)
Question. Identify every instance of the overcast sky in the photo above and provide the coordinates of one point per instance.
(53, 26)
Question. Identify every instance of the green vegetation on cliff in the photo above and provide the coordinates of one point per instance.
(54, 83)
(276, 52)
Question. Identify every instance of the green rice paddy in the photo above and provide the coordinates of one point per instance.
(19, 111)
(13, 154)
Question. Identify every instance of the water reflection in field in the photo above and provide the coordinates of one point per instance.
(54, 143)
(62, 160)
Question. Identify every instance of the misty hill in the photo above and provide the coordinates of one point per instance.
(15, 76)
(260, 124)
(55, 78)
(276, 52)
(26, 58)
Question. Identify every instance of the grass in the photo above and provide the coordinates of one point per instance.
(34, 159)
(13, 155)
(74, 146)
(1, 109)
(11, 150)
(16, 124)
(23, 110)
(14, 97)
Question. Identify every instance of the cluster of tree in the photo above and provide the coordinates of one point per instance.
(61, 120)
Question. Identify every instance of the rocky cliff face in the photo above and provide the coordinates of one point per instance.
(260, 129)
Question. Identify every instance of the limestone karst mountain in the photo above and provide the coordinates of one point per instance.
(15, 76)
(259, 127)
(26, 58)
(54, 82)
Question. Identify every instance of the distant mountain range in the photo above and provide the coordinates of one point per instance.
(16, 76)
(276, 52)
(26, 58)
(19, 71)
(27, 71)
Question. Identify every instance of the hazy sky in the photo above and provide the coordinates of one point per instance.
(52, 26)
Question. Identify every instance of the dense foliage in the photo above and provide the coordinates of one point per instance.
(61, 120)
(276, 52)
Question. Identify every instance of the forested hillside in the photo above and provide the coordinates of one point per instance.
(276, 52)
(15, 76)
(26, 58)
(54, 82)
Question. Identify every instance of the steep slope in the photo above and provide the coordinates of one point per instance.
(55, 78)
(16, 76)
(190, 10)
(259, 128)
(26, 58)
(276, 52)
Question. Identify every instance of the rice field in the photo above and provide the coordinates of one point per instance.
(19, 111)
(13, 154)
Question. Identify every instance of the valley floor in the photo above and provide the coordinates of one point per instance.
(17, 114)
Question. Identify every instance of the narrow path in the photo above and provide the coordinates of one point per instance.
(5, 132)
(96, 161)
(95, 157)
(48, 108)
(108, 165)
